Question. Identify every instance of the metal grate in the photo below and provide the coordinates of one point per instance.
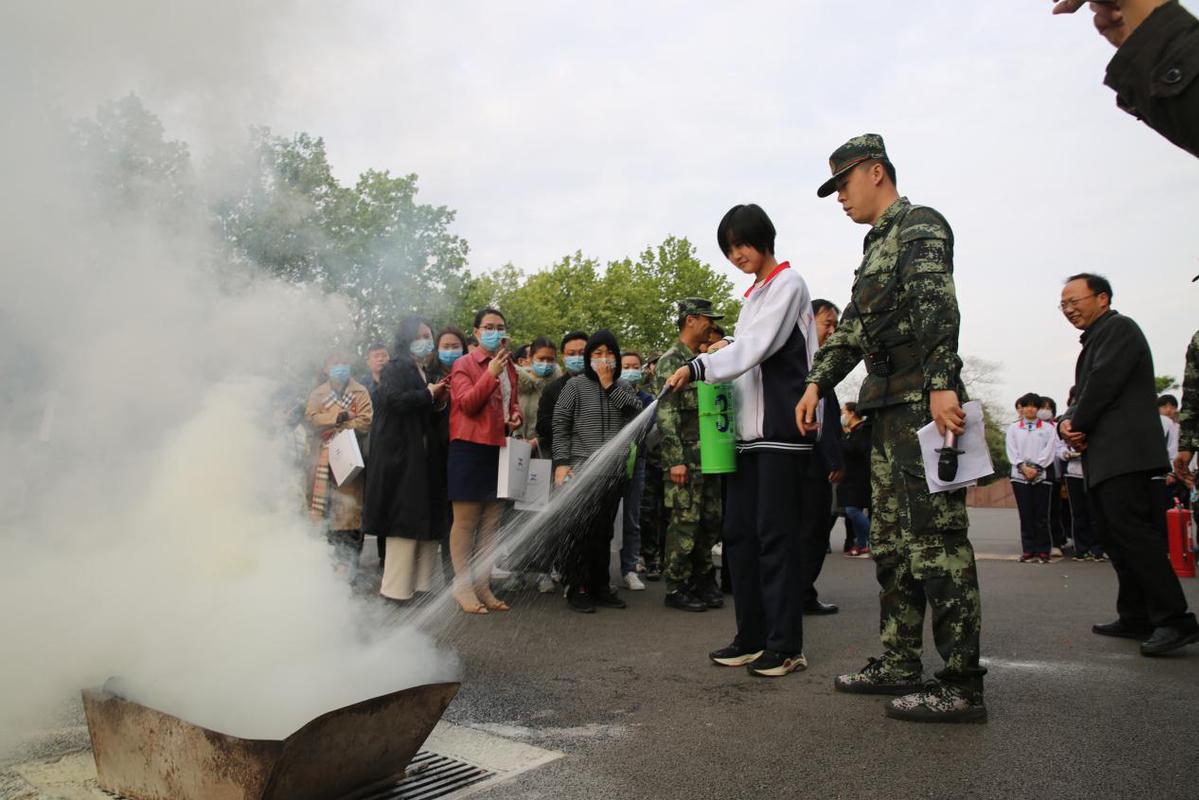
(431, 776)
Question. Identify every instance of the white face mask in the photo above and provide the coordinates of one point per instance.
(596, 363)
(1044, 414)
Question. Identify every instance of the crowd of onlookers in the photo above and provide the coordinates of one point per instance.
(1050, 488)
(432, 411)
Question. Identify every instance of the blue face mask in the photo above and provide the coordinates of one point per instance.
(421, 347)
(339, 373)
(573, 364)
(542, 369)
(448, 357)
(631, 376)
(490, 340)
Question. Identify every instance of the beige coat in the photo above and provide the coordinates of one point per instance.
(345, 502)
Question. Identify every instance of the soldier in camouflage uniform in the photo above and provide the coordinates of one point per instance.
(903, 321)
(693, 500)
(1188, 415)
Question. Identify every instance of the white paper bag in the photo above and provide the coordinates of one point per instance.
(537, 488)
(345, 457)
(515, 456)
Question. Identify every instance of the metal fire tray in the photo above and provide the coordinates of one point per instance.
(145, 754)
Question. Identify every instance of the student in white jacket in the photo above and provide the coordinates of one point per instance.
(768, 359)
(1031, 450)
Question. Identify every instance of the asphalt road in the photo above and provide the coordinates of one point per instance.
(632, 701)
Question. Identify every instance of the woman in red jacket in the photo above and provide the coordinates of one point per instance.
(484, 407)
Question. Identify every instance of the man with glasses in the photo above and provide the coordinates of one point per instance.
(1114, 424)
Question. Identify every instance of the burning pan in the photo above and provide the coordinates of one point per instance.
(144, 754)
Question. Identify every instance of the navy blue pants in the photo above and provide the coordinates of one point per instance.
(764, 549)
(1032, 501)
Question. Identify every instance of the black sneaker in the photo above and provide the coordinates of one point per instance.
(705, 589)
(609, 599)
(775, 665)
(733, 656)
(683, 600)
(653, 571)
(877, 678)
(579, 600)
(939, 702)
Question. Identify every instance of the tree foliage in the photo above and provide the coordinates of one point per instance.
(635, 298)
(371, 241)
(1164, 383)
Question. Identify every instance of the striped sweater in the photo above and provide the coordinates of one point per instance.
(587, 416)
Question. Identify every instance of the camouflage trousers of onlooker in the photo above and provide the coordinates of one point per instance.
(696, 511)
(922, 554)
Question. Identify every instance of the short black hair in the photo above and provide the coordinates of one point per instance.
(471, 340)
(521, 352)
(890, 170)
(1096, 283)
(640, 360)
(1029, 399)
(1072, 395)
(573, 336)
(540, 343)
(376, 346)
(819, 305)
(482, 312)
(748, 225)
(1049, 401)
(851, 407)
(1167, 400)
(719, 331)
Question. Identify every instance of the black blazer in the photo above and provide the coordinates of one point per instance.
(1116, 405)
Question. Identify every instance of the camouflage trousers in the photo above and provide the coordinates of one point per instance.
(922, 555)
(696, 512)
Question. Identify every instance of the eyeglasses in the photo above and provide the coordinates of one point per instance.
(1066, 305)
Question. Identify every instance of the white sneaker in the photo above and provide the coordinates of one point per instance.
(545, 584)
(633, 582)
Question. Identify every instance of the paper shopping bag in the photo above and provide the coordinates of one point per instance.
(345, 457)
(537, 488)
(514, 469)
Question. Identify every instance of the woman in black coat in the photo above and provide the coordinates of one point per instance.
(402, 501)
(853, 493)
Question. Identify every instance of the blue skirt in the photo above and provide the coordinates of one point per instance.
(472, 471)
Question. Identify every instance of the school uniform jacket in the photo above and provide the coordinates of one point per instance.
(768, 361)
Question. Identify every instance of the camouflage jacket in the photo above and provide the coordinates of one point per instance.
(1188, 414)
(678, 413)
(903, 315)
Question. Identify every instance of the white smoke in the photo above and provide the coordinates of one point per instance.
(151, 517)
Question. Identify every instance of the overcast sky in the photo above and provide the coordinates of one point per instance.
(605, 127)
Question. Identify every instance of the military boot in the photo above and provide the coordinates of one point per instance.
(939, 702)
(877, 677)
(704, 587)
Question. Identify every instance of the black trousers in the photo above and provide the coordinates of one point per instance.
(1032, 501)
(815, 493)
(588, 551)
(1131, 526)
(761, 539)
(1082, 527)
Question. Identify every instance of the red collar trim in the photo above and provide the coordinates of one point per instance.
(480, 355)
(770, 277)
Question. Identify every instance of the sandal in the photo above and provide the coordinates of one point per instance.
(470, 606)
(497, 605)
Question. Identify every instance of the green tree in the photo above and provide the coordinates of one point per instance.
(635, 298)
(131, 167)
(372, 242)
(1164, 383)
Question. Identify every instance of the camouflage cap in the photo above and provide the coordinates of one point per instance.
(698, 307)
(849, 155)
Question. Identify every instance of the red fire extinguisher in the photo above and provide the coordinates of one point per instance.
(1182, 545)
